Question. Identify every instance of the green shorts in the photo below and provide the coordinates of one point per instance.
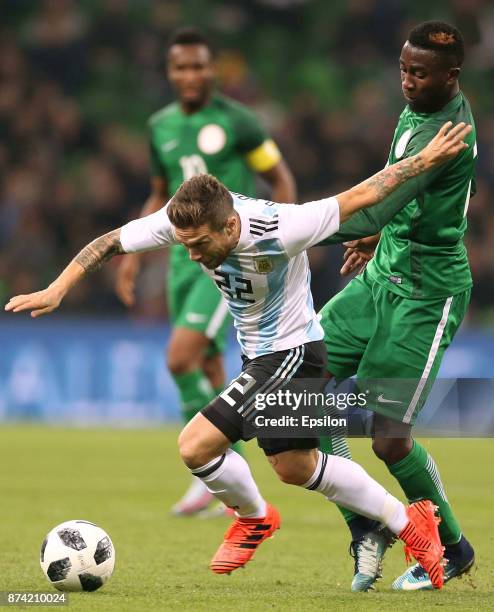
(195, 303)
(380, 336)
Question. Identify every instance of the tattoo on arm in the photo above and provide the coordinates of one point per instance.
(99, 250)
(386, 181)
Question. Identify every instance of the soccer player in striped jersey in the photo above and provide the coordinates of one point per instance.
(254, 250)
(201, 132)
(396, 319)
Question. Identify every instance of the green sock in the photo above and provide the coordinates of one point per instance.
(238, 447)
(195, 392)
(419, 478)
(338, 445)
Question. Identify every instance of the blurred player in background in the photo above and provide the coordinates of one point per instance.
(396, 319)
(202, 132)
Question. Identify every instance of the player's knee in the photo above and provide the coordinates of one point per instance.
(196, 447)
(185, 352)
(289, 470)
(391, 450)
(189, 449)
(288, 476)
(179, 362)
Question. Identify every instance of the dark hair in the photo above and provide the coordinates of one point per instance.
(440, 37)
(189, 36)
(201, 199)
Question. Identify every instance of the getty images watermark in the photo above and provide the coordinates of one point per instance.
(312, 408)
(295, 400)
(288, 412)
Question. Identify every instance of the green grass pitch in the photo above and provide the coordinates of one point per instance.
(126, 480)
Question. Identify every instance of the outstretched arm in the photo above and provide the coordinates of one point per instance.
(444, 146)
(370, 221)
(152, 232)
(90, 258)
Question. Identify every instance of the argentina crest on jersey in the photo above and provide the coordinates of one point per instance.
(263, 264)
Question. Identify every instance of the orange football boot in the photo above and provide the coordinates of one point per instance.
(422, 541)
(242, 539)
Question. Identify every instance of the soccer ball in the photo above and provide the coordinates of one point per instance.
(77, 556)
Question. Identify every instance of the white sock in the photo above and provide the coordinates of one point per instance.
(346, 483)
(230, 480)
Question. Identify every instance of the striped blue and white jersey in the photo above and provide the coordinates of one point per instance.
(266, 277)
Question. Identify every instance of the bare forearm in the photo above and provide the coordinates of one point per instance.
(69, 277)
(370, 221)
(445, 145)
(103, 248)
(89, 258)
(378, 187)
(49, 299)
(382, 184)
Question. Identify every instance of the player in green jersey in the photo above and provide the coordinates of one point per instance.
(396, 319)
(202, 132)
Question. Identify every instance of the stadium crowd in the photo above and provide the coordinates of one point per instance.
(79, 79)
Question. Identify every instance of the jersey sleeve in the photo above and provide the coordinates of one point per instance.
(261, 152)
(303, 226)
(264, 157)
(249, 133)
(148, 233)
(452, 168)
(421, 138)
(156, 167)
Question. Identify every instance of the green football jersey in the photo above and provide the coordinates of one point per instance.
(223, 138)
(421, 253)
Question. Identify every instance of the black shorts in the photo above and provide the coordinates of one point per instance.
(228, 411)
